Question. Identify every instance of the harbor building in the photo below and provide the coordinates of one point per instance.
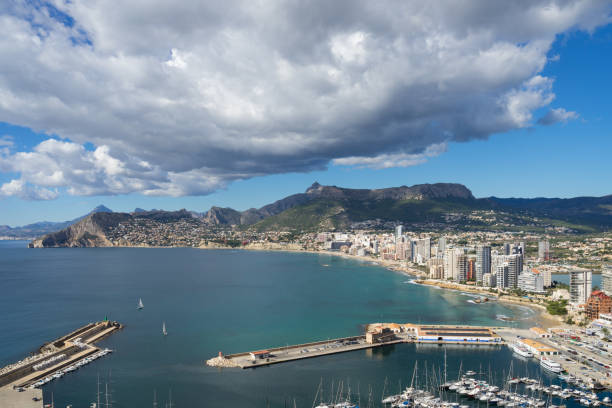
(380, 335)
(456, 334)
(538, 348)
(580, 286)
(540, 332)
(606, 279)
(597, 303)
(543, 251)
(259, 355)
(483, 261)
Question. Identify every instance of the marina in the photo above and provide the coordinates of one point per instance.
(55, 359)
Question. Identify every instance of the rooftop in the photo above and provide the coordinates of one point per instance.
(541, 347)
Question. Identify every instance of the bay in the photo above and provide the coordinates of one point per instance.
(230, 301)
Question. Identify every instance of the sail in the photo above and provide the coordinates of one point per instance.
(164, 328)
(140, 305)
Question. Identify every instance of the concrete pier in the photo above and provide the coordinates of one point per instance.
(378, 335)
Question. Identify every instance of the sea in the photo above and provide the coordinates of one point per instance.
(234, 301)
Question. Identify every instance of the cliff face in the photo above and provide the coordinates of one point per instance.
(89, 232)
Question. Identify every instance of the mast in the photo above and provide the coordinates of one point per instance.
(106, 395)
(445, 365)
(154, 398)
(98, 393)
(416, 364)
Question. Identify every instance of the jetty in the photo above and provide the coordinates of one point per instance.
(52, 360)
(377, 335)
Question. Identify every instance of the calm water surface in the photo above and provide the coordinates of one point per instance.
(227, 301)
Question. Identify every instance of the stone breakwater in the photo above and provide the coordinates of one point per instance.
(221, 362)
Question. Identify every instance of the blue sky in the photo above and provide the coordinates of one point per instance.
(564, 159)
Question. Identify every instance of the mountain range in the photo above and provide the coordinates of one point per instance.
(43, 227)
(424, 206)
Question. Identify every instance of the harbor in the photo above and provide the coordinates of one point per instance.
(52, 361)
(377, 335)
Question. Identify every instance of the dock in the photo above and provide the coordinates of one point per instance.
(65, 354)
(377, 335)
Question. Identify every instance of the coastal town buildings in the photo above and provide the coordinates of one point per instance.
(597, 303)
(580, 286)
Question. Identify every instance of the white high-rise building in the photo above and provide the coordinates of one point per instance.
(398, 233)
(483, 261)
(543, 251)
(530, 281)
(581, 286)
(441, 247)
(501, 276)
(421, 250)
(606, 279)
(451, 263)
(546, 277)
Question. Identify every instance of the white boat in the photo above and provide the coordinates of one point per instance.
(140, 305)
(164, 331)
(550, 365)
(521, 351)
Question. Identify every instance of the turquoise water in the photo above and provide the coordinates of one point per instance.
(228, 301)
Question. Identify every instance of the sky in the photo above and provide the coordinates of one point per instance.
(238, 104)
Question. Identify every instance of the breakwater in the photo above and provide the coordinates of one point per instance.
(377, 335)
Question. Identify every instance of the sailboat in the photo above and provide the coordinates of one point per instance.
(140, 305)
(164, 329)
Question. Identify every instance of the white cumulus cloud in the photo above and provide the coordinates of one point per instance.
(181, 98)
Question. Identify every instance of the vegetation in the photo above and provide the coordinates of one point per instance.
(557, 307)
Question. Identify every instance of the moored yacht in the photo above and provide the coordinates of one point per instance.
(550, 365)
(521, 351)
